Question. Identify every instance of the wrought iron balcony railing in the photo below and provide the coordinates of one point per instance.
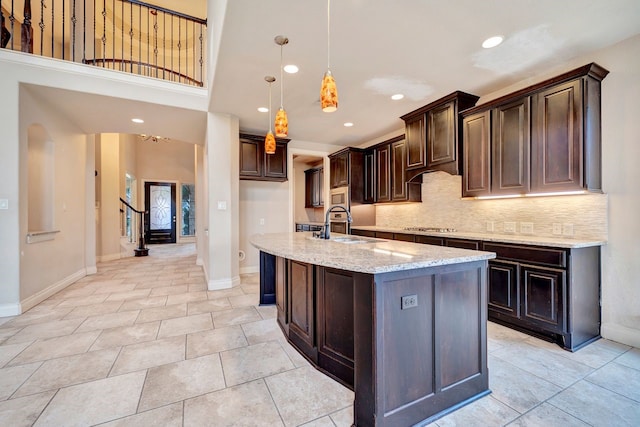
(125, 35)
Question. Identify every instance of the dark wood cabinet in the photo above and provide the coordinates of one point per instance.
(370, 174)
(256, 165)
(398, 171)
(543, 291)
(383, 176)
(510, 150)
(347, 169)
(415, 135)
(267, 278)
(282, 293)
(314, 188)
(477, 145)
(301, 286)
(503, 288)
(429, 240)
(442, 135)
(339, 168)
(391, 173)
(365, 233)
(473, 245)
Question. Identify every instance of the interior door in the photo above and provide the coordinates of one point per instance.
(160, 212)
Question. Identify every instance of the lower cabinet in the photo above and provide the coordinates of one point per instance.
(301, 311)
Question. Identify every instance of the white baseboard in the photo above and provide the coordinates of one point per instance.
(214, 285)
(37, 298)
(199, 261)
(250, 270)
(92, 270)
(7, 310)
(110, 257)
(621, 334)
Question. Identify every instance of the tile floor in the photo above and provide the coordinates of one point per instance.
(143, 343)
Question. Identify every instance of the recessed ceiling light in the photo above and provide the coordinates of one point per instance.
(492, 42)
(348, 124)
(397, 96)
(291, 69)
(137, 120)
(263, 109)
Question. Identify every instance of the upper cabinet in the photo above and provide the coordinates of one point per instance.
(542, 139)
(256, 165)
(314, 188)
(347, 169)
(432, 135)
(391, 173)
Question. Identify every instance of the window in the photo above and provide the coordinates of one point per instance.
(188, 228)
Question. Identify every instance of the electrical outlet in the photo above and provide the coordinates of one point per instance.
(4, 203)
(509, 227)
(409, 301)
(490, 226)
(567, 229)
(261, 221)
(557, 229)
(526, 227)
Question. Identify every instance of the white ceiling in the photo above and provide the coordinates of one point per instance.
(423, 48)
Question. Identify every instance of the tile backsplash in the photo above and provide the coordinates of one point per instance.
(571, 216)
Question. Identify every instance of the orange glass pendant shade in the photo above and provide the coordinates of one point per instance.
(282, 123)
(270, 143)
(329, 93)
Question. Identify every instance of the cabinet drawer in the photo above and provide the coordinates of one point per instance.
(528, 254)
(463, 244)
(404, 237)
(429, 240)
(384, 235)
(365, 233)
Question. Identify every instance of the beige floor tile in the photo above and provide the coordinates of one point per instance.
(343, 417)
(73, 293)
(257, 361)
(80, 301)
(109, 289)
(94, 310)
(262, 331)
(125, 296)
(54, 328)
(196, 287)
(181, 380)
(153, 284)
(245, 300)
(6, 333)
(320, 422)
(138, 304)
(9, 351)
(250, 279)
(185, 325)
(149, 354)
(631, 359)
(545, 364)
(23, 412)
(32, 317)
(235, 317)
(250, 289)
(304, 394)
(267, 311)
(187, 297)
(51, 348)
(69, 370)
(127, 335)
(547, 415)
(215, 341)
(12, 378)
(225, 293)
(516, 388)
(297, 359)
(595, 355)
(246, 405)
(619, 379)
(597, 406)
(94, 402)
(486, 412)
(208, 306)
(111, 320)
(503, 334)
(167, 416)
(162, 313)
(169, 290)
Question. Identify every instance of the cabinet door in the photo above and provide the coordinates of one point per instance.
(308, 189)
(416, 142)
(441, 135)
(250, 158)
(383, 166)
(398, 171)
(369, 187)
(282, 293)
(276, 164)
(476, 143)
(510, 148)
(301, 310)
(504, 297)
(319, 187)
(543, 293)
(556, 146)
(339, 173)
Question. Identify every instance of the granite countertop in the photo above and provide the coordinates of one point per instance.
(557, 242)
(310, 223)
(374, 256)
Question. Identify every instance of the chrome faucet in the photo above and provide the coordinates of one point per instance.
(325, 232)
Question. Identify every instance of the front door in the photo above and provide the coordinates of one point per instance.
(160, 212)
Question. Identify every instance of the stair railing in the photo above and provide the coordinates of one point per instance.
(142, 249)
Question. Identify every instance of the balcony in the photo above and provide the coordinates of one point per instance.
(123, 35)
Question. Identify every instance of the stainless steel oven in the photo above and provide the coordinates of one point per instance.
(339, 197)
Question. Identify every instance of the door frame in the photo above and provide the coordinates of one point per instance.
(143, 184)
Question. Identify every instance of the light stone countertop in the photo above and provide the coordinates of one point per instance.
(556, 242)
(375, 256)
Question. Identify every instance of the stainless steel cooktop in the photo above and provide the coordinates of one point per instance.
(431, 229)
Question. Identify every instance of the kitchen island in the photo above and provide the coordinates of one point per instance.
(402, 324)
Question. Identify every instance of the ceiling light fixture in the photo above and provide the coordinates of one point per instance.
(136, 120)
(263, 109)
(269, 140)
(152, 138)
(492, 42)
(291, 69)
(397, 96)
(328, 90)
(348, 124)
(282, 122)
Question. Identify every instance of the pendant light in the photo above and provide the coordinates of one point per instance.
(269, 140)
(328, 91)
(282, 122)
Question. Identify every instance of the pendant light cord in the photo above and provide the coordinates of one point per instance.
(269, 106)
(281, 80)
(328, 33)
